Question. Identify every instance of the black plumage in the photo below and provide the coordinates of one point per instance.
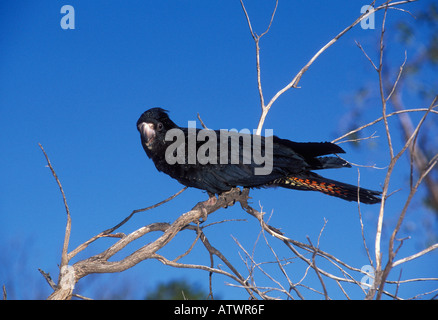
(291, 162)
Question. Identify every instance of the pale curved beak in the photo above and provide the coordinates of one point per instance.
(147, 131)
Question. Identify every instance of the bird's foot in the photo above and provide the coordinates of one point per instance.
(204, 205)
(212, 200)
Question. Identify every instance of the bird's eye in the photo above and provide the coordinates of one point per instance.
(159, 126)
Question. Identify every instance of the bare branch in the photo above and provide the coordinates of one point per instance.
(64, 255)
(202, 122)
(317, 271)
(108, 232)
(380, 119)
(256, 40)
(361, 221)
(248, 20)
(415, 256)
(381, 278)
(398, 78)
(294, 82)
(366, 55)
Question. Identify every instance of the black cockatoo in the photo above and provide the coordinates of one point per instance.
(201, 159)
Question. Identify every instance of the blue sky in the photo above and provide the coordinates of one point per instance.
(80, 92)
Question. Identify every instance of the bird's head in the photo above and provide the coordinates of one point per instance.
(153, 125)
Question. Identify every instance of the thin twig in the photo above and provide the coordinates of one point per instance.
(361, 221)
(106, 233)
(64, 255)
(415, 256)
(380, 119)
(202, 122)
(256, 41)
(294, 82)
(48, 279)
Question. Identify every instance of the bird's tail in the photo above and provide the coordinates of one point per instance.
(334, 188)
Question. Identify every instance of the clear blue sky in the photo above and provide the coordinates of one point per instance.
(80, 92)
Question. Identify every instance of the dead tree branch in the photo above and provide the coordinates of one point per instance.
(294, 82)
